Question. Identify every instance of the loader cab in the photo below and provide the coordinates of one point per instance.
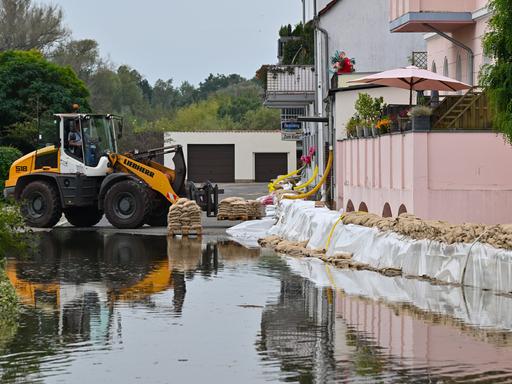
(86, 140)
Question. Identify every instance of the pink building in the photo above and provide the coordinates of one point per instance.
(456, 172)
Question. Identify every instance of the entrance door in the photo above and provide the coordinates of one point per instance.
(269, 165)
(211, 162)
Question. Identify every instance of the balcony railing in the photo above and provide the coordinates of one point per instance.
(412, 15)
(342, 80)
(290, 85)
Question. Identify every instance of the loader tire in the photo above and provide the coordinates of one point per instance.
(127, 204)
(157, 217)
(40, 205)
(83, 216)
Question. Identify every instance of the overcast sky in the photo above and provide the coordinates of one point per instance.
(183, 40)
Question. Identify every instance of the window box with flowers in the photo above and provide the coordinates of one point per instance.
(383, 126)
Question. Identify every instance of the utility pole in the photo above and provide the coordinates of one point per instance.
(303, 12)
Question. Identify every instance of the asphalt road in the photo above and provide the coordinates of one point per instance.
(211, 226)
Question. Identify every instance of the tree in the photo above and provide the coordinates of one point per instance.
(105, 86)
(262, 119)
(82, 56)
(214, 83)
(129, 100)
(26, 26)
(497, 77)
(32, 89)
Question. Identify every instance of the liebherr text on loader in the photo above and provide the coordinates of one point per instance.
(84, 177)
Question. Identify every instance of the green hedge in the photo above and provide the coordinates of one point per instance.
(7, 156)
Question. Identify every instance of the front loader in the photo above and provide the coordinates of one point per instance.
(83, 177)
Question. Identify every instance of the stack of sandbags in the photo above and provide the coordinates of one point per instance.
(498, 236)
(184, 218)
(174, 216)
(225, 209)
(239, 210)
(254, 209)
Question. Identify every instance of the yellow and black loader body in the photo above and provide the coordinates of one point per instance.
(130, 189)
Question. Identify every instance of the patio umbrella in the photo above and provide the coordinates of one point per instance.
(414, 79)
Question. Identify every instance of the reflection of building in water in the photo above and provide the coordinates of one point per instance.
(319, 333)
(420, 339)
(299, 329)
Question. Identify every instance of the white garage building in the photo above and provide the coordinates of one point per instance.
(234, 156)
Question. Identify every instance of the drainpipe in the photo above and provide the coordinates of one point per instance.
(322, 85)
(471, 55)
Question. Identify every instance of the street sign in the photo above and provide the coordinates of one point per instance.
(291, 130)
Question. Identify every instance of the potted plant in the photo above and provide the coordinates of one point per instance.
(394, 127)
(375, 129)
(351, 126)
(403, 120)
(384, 125)
(420, 116)
(367, 130)
(368, 109)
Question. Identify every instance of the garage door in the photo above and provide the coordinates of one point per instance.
(269, 165)
(211, 162)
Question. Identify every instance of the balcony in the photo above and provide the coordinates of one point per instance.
(446, 16)
(289, 86)
(339, 81)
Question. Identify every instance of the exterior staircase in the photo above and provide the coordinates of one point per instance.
(469, 111)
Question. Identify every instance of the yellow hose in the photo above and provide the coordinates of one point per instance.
(307, 183)
(317, 188)
(329, 238)
(272, 186)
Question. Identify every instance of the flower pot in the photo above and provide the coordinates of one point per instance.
(375, 132)
(360, 132)
(404, 123)
(366, 131)
(395, 126)
(421, 123)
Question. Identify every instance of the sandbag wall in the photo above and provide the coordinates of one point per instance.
(476, 264)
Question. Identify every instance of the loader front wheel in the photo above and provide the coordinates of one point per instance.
(157, 217)
(127, 204)
(40, 205)
(83, 216)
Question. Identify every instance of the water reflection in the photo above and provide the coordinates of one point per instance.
(127, 308)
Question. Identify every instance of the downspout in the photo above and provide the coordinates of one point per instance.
(324, 90)
(471, 55)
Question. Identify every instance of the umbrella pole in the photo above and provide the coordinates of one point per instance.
(410, 96)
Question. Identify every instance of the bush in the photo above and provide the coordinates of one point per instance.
(496, 77)
(420, 110)
(7, 156)
(12, 234)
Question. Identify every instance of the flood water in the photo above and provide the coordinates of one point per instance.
(103, 308)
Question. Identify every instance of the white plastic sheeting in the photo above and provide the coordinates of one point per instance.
(487, 267)
(472, 306)
(249, 232)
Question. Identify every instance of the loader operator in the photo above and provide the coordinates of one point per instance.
(75, 140)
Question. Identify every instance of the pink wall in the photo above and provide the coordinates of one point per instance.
(439, 48)
(458, 177)
(400, 7)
